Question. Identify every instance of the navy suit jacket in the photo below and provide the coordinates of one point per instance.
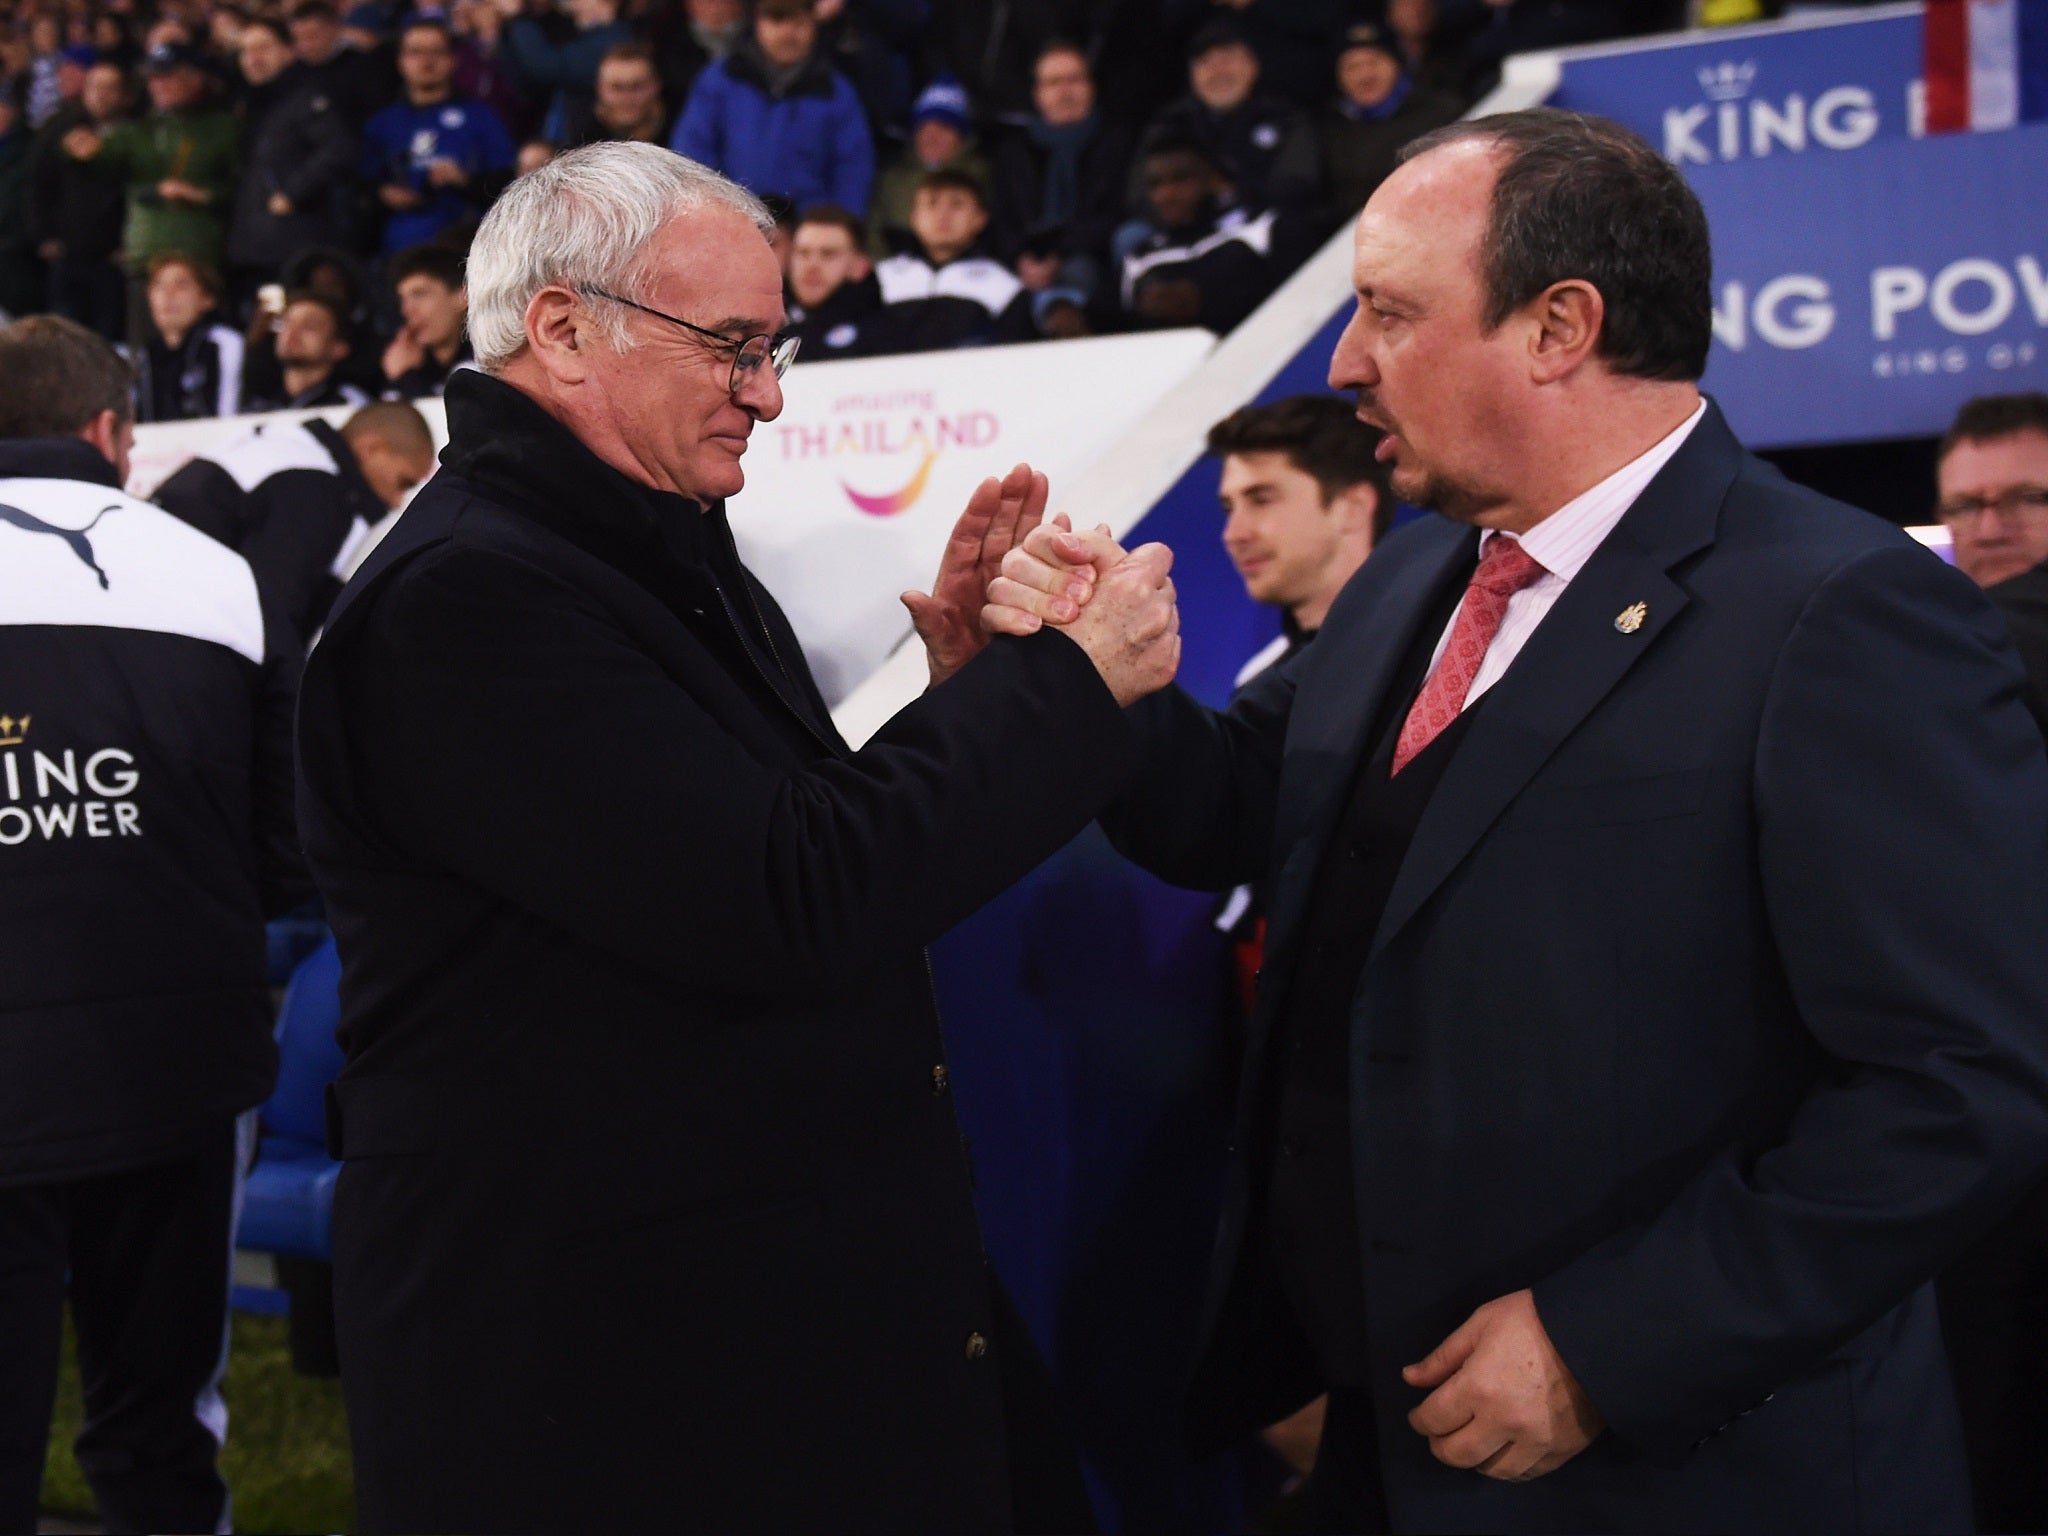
(1710, 1002)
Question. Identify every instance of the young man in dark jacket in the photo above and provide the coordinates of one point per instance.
(943, 290)
(296, 189)
(145, 832)
(189, 365)
(1058, 180)
(838, 303)
(434, 158)
(634, 997)
(1206, 262)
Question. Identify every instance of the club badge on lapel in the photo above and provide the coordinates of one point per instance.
(1630, 619)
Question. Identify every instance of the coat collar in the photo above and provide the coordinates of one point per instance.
(56, 458)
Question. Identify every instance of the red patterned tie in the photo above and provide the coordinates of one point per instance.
(1503, 571)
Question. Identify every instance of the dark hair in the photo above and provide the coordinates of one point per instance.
(785, 10)
(321, 10)
(272, 25)
(1322, 437)
(1178, 141)
(1990, 417)
(421, 21)
(202, 274)
(631, 51)
(948, 179)
(1582, 197)
(320, 301)
(1053, 45)
(56, 377)
(437, 262)
(781, 210)
(833, 216)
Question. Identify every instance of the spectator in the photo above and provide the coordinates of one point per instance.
(354, 82)
(940, 140)
(336, 275)
(1205, 263)
(992, 47)
(1263, 142)
(833, 288)
(295, 189)
(1992, 475)
(131, 939)
(190, 365)
(431, 342)
(689, 35)
(773, 116)
(628, 106)
(1292, 38)
(1378, 109)
(23, 283)
(68, 71)
(77, 207)
(945, 291)
(435, 159)
(41, 93)
(310, 345)
(1058, 189)
(297, 500)
(180, 163)
(1424, 56)
(114, 41)
(484, 73)
(870, 44)
(562, 68)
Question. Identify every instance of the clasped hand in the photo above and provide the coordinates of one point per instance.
(1007, 571)
(1504, 1402)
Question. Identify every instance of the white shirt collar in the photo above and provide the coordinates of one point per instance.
(1564, 541)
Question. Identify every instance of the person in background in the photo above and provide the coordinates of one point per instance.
(943, 290)
(1425, 57)
(138, 662)
(298, 499)
(1378, 109)
(190, 364)
(23, 280)
(1206, 262)
(941, 139)
(77, 208)
(628, 105)
(68, 70)
(1262, 141)
(871, 44)
(687, 36)
(436, 159)
(355, 83)
(1992, 478)
(433, 301)
(1057, 188)
(310, 344)
(180, 162)
(836, 302)
(1291, 37)
(560, 66)
(482, 72)
(295, 189)
(774, 116)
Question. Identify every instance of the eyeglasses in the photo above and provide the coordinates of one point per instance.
(748, 353)
(2032, 500)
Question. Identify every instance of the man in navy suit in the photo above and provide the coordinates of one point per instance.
(1658, 855)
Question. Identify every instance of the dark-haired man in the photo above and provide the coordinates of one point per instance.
(944, 290)
(1207, 262)
(1633, 1046)
(833, 285)
(435, 158)
(1262, 141)
(190, 365)
(145, 831)
(1991, 472)
(296, 190)
(311, 344)
(628, 105)
(433, 299)
(299, 500)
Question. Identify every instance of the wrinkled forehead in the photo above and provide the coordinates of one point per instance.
(713, 262)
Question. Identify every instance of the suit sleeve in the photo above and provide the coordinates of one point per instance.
(508, 731)
(1902, 841)
(1200, 810)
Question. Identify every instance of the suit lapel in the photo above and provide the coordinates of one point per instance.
(1574, 659)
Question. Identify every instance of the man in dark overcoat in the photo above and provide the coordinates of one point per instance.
(654, 1211)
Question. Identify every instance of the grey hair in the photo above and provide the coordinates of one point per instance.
(581, 221)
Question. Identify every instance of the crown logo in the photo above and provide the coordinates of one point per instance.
(1728, 80)
(12, 730)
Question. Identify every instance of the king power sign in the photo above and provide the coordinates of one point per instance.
(1868, 276)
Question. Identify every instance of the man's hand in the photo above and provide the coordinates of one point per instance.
(398, 198)
(446, 173)
(1119, 608)
(173, 189)
(279, 205)
(948, 619)
(403, 355)
(1504, 1403)
(81, 143)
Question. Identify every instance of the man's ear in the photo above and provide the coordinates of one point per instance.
(559, 333)
(112, 433)
(861, 267)
(1566, 321)
(1354, 507)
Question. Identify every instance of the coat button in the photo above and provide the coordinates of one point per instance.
(939, 1078)
(977, 1346)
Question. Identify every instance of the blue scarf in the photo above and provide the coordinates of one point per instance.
(1384, 110)
(1063, 148)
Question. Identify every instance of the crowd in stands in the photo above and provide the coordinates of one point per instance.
(267, 202)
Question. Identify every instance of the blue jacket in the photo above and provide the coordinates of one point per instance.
(403, 140)
(810, 144)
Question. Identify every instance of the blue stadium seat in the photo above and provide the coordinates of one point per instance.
(290, 1194)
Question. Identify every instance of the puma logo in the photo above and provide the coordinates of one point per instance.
(81, 546)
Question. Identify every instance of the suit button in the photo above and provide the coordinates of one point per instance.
(977, 1346)
(939, 1078)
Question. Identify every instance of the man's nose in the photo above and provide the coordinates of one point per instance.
(1351, 364)
(760, 394)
